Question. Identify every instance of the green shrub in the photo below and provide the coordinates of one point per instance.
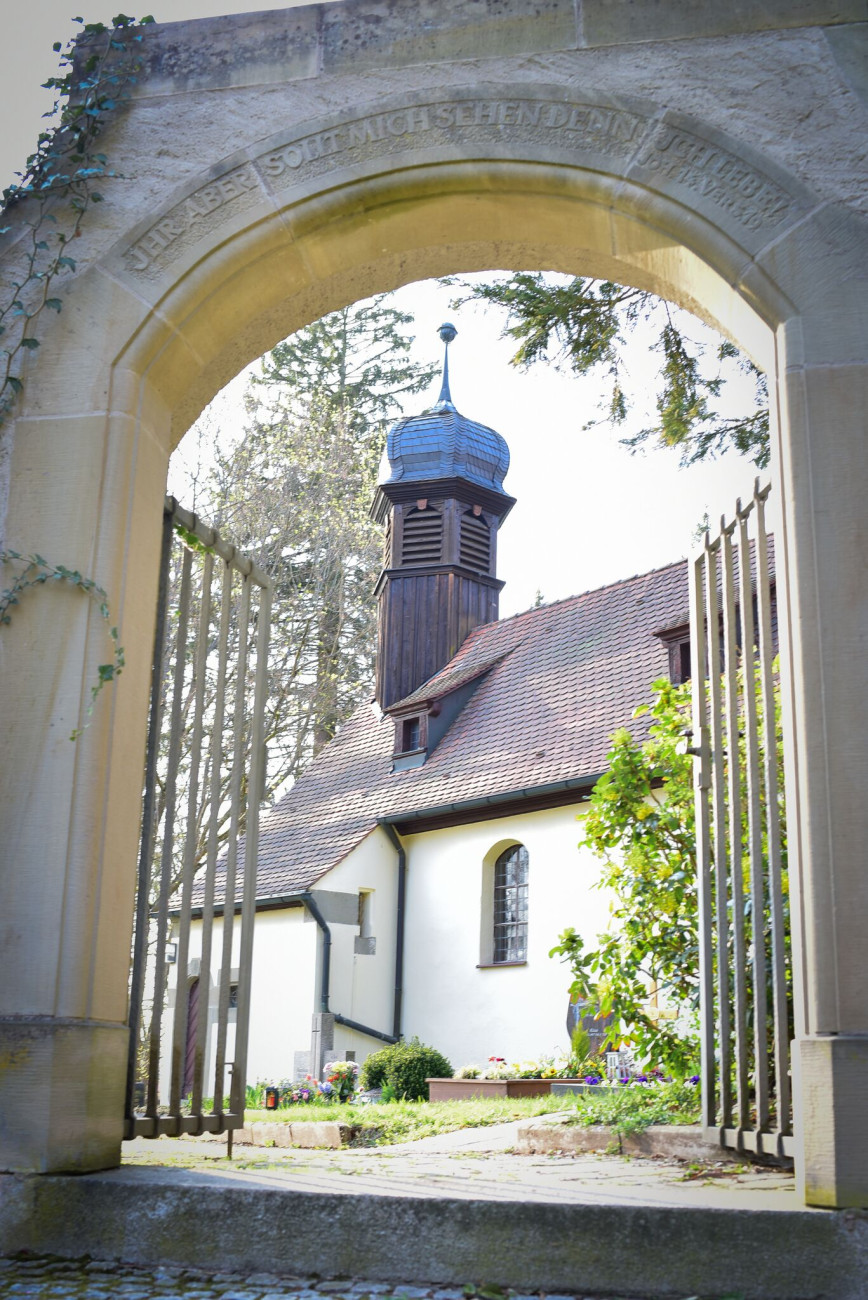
(411, 1064)
(375, 1067)
(403, 1069)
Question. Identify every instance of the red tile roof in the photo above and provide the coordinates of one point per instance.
(460, 671)
(561, 680)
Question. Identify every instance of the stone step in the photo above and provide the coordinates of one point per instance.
(766, 1247)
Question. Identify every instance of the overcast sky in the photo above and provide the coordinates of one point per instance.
(588, 512)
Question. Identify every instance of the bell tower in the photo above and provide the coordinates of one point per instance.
(442, 501)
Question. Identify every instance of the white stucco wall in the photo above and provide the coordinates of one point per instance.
(282, 1001)
(516, 1012)
(287, 964)
(362, 984)
(451, 998)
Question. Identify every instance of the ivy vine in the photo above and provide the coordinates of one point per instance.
(55, 192)
(36, 573)
(98, 67)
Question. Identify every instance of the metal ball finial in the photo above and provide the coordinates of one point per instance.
(447, 332)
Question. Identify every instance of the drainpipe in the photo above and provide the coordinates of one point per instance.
(310, 903)
(399, 924)
(364, 1029)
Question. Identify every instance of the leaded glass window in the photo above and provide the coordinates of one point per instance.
(510, 905)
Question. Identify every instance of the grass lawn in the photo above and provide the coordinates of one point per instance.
(630, 1110)
(407, 1121)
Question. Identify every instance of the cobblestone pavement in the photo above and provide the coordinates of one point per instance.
(31, 1277)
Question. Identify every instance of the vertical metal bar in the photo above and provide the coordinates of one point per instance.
(754, 824)
(149, 819)
(255, 788)
(702, 782)
(773, 818)
(724, 1029)
(168, 840)
(215, 766)
(736, 883)
(179, 1030)
(234, 793)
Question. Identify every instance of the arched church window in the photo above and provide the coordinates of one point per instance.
(422, 541)
(510, 905)
(475, 552)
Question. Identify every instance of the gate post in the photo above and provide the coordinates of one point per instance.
(824, 470)
(70, 810)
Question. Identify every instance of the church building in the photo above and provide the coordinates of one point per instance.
(416, 876)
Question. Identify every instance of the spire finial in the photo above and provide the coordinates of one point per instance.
(447, 332)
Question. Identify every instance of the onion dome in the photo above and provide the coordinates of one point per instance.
(443, 444)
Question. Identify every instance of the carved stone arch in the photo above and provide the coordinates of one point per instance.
(499, 150)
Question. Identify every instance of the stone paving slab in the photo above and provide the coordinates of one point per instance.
(434, 1167)
(559, 1133)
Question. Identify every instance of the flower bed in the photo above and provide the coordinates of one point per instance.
(499, 1078)
(464, 1089)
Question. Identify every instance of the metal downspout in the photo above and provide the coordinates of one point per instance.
(399, 924)
(309, 902)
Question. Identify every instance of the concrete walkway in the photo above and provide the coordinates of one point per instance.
(449, 1210)
(477, 1163)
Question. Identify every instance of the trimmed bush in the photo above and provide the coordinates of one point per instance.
(374, 1068)
(413, 1063)
(405, 1067)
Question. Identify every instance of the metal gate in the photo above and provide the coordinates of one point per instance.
(744, 948)
(204, 778)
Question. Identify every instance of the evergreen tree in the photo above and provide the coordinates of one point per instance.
(296, 492)
(582, 323)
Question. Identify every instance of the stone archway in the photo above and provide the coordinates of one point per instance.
(486, 140)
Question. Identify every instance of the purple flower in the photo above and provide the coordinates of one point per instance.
(592, 1078)
(694, 1078)
(640, 1078)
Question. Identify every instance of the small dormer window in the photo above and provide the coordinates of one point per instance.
(679, 661)
(677, 643)
(411, 742)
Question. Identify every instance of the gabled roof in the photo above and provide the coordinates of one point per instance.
(561, 679)
(458, 672)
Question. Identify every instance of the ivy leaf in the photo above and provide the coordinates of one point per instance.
(30, 344)
(54, 304)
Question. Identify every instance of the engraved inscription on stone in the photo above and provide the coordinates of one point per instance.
(746, 194)
(581, 125)
(721, 177)
(188, 213)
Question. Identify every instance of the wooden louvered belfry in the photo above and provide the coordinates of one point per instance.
(442, 504)
(422, 536)
(475, 542)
